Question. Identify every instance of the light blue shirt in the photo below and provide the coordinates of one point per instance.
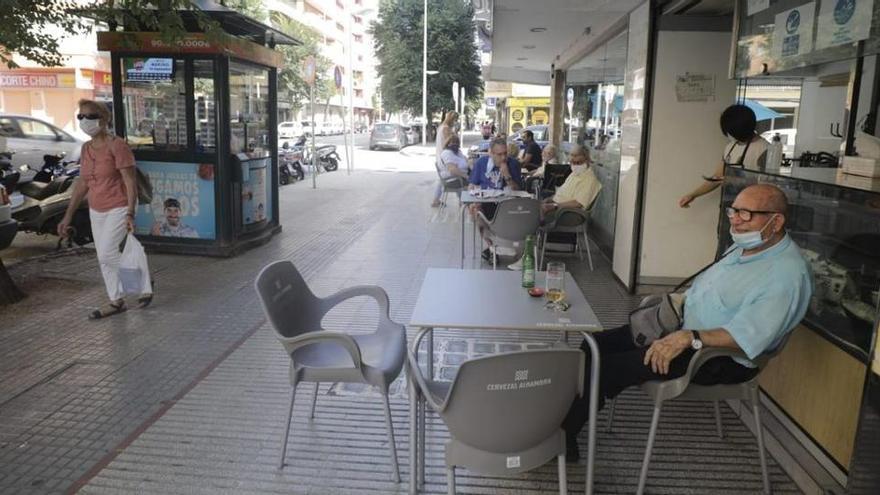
(757, 298)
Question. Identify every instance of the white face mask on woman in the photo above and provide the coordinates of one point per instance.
(578, 169)
(90, 126)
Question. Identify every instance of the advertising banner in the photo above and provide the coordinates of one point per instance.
(149, 69)
(793, 32)
(183, 201)
(843, 21)
(64, 78)
(256, 191)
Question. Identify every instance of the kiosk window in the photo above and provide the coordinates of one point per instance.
(206, 122)
(154, 97)
(248, 109)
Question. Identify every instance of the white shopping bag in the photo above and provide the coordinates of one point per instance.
(133, 268)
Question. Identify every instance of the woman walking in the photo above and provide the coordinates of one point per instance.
(107, 176)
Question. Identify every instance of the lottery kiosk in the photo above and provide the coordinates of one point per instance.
(200, 116)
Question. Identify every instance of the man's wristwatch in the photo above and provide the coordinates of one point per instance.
(696, 343)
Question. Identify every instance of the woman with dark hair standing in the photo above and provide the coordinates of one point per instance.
(107, 176)
(748, 149)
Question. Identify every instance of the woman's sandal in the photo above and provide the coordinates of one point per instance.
(108, 310)
(145, 301)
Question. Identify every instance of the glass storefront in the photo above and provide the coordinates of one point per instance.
(249, 139)
(595, 85)
(154, 97)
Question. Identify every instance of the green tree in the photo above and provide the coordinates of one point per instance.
(291, 85)
(452, 51)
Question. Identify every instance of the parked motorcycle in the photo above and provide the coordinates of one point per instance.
(328, 159)
(9, 177)
(290, 164)
(42, 202)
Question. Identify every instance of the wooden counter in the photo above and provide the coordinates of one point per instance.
(820, 387)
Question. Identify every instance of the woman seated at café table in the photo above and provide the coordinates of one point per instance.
(452, 164)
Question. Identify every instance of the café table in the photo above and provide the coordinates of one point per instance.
(468, 197)
(467, 300)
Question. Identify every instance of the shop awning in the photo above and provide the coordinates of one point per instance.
(761, 112)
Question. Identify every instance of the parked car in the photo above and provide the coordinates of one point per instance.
(324, 129)
(336, 128)
(307, 127)
(289, 130)
(542, 137)
(31, 138)
(387, 135)
(360, 127)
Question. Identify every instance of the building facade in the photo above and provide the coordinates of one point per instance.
(343, 27)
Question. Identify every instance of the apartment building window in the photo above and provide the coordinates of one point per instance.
(340, 4)
(360, 58)
(359, 38)
(358, 93)
(358, 19)
(340, 27)
(329, 41)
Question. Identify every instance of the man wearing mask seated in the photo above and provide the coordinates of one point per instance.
(749, 300)
(579, 189)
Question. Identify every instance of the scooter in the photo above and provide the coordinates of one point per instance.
(290, 164)
(39, 205)
(9, 177)
(327, 157)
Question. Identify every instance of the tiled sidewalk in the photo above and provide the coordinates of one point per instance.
(189, 396)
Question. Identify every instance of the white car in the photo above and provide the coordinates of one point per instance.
(788, 138)
(30, 138)
(289, 130)
(336, 128)
(324, 129)
(307, 127)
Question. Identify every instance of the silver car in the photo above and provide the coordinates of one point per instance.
(386, 135)
(31, 138)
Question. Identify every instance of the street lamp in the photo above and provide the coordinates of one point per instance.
(358, 13)
(425, 74)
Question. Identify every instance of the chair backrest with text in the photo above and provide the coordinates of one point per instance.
(511, 402)
(288, 302)
(516, 218)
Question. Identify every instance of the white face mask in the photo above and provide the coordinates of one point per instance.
(90, 126)
(578, 169)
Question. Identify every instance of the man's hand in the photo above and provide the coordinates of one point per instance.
(129, 223)
(63, 226)
(548, 206)
(685, 201)
(664, 350)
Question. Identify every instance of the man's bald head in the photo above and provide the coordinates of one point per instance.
(768, 196)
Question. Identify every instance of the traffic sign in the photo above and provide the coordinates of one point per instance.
(309, 70)
(337, 76)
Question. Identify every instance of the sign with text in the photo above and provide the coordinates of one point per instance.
(843, 21)
(183, 201)
(36, 79)
(793, 32)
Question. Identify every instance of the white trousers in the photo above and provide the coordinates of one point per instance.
(108, 230)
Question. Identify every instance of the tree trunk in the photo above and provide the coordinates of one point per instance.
(9, 293)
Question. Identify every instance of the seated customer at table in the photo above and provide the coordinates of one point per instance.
(579, 189)
(749, 301)
(531, 155)
(451, 164)
(495, 171)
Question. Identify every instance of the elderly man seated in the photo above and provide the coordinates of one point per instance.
(579, 189)
(495, 171)
(749, 300)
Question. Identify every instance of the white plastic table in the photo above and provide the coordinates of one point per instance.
(493, 300)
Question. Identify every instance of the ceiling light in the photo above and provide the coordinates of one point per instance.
(528, 47)
(521, 58)
(517, 66)
(538, 29)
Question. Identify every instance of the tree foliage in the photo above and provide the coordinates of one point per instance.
(452, 51)
(26, 30)
(291, 85)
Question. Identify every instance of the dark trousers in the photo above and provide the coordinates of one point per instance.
(622, 366)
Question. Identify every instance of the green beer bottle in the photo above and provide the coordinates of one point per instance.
(528, 263)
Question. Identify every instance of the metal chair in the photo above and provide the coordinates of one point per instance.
(318, 355)
(504, 411)
(450, 185)
(572, 220)
(514, 220)
(681, 388)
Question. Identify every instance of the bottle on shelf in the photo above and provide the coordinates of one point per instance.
(774, 153)
(528, 263)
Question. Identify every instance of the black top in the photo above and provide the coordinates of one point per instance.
(535, 151)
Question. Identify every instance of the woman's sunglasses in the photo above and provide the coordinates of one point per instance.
(90, 116)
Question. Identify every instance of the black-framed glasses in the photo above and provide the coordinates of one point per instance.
(90, 116)
(744, 214)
